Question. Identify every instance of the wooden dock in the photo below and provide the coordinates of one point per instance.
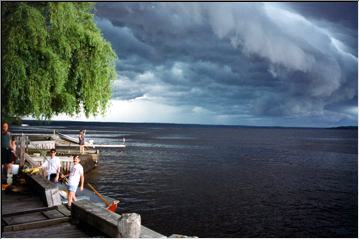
(34, 209)
(37, 147)
(33, 206)
(24, 215)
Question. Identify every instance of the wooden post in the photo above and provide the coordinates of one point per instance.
(129, 225)
(22, 150)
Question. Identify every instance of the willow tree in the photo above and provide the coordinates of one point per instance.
(54, 60)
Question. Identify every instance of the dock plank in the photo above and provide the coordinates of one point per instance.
(13, 203)
(35, 224)
(63, 230)
(53, 214)
(18, 219)
(19, 202)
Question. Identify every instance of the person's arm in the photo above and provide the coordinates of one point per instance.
(57, 173)
(82, 178)
(9, 134)
(44, 165)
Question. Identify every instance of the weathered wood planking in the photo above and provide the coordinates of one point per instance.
(62, 230)
(34, 223)
(26, 202)
(19, 202)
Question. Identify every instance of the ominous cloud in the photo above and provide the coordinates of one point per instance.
(237, 63)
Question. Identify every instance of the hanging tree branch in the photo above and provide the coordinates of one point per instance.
(54, 60)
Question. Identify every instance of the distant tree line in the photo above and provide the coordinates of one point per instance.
(54, 60)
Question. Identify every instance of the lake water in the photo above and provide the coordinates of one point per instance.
(216, 181)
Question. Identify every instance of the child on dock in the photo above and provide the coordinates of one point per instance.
(82, 140)
(76, 176)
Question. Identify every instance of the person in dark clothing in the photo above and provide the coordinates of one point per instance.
(6, 155)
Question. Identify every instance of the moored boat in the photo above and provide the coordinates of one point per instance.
(73, 142)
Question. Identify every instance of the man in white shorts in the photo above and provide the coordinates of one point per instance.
(76, 175)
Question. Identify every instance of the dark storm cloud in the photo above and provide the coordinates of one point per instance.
(340, 17)
(344, 13)
(236, 59)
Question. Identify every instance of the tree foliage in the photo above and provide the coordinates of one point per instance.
(54, 60)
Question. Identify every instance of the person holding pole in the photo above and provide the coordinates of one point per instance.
(76, 176)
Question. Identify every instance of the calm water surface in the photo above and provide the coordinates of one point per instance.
(229, 181)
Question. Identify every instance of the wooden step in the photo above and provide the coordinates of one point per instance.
(35, 218)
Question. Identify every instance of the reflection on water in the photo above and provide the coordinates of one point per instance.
(231, 182)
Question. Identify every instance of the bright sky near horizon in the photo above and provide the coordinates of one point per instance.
(262, 64)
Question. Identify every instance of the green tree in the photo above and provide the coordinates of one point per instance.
(54, 60)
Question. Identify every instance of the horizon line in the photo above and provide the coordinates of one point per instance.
(199, 124)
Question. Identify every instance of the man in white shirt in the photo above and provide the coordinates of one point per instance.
(52, 166)
(76, 175)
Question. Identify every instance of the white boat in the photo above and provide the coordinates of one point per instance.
(75, 142)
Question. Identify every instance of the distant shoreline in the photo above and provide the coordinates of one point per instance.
(67, 122)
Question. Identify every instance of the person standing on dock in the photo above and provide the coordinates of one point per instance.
(52, 166)
(82, 140)
(76, 176)
(6, 164)
(13, 149)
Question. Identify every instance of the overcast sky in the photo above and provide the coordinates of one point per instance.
(283, 64)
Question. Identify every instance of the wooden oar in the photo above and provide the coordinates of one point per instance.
(99, 195)
(64, 179)
(110, 206)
